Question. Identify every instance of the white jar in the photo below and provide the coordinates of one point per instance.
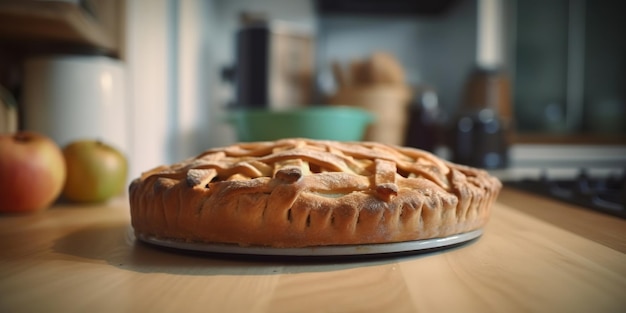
(69, 97)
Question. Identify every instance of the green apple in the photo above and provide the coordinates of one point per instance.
(96, 171)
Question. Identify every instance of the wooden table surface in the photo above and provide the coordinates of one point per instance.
(536, 255)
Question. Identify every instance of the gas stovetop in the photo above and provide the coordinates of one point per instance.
(605, 194)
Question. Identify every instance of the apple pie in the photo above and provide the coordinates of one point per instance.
(294, 193)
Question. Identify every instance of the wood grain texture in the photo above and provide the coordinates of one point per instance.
(78, 259)
(602, 228)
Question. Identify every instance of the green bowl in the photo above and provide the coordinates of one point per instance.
(318, 122)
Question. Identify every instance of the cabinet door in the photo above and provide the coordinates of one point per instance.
(570, 68)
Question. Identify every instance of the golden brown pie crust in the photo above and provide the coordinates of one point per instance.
(301, 192)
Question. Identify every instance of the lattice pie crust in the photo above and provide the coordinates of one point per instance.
(299, 193)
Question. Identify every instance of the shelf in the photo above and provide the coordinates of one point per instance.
(29, 23)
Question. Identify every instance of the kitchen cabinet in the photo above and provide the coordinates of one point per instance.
(73, 26)
(569, 67)
(535, 255)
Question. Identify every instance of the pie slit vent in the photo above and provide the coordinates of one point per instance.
(303, 193)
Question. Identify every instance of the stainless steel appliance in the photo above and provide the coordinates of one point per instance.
(274, 65)
(605, 194)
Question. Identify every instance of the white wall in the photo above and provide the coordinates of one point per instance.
(190, 80)
(166, 68)
(147, 68)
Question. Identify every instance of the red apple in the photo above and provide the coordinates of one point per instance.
(32, 172)
(96, 171)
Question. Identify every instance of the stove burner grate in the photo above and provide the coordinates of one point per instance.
(603, 194)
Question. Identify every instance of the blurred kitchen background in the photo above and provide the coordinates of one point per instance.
(510, 85)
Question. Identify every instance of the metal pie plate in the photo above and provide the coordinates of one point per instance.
(319, 251)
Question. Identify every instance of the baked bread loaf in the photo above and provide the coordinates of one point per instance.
(303, 193)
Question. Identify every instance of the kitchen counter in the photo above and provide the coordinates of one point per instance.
(535, 255)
